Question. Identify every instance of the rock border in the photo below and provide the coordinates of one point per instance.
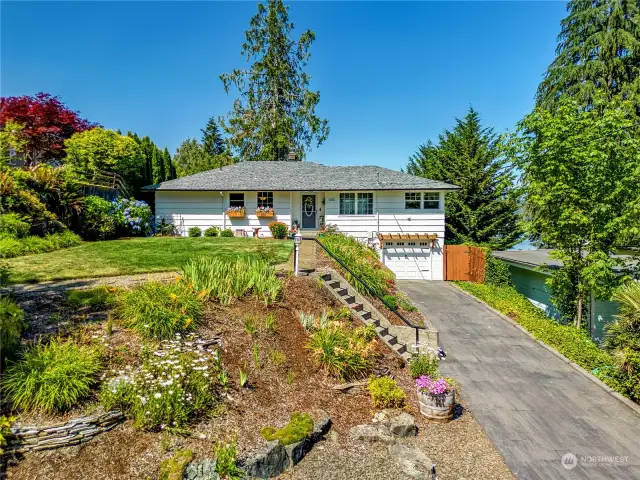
(74, 432)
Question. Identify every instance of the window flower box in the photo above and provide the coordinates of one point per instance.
(236, 212)
(265, 212)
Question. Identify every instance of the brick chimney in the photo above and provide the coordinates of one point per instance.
(292, 157)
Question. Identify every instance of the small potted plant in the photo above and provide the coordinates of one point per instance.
(266, 212)
(437, 397)
(236, 212)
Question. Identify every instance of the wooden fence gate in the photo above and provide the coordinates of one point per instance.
(462, 262)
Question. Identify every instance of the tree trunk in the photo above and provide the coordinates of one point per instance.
(579, 316)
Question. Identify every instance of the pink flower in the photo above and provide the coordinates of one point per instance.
(435, 386)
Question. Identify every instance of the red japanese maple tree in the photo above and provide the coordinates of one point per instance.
(47, 123)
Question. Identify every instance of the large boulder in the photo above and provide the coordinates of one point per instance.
(395, 422)
(371, 433)
(412, 460)
(204, 470)
(269, 461)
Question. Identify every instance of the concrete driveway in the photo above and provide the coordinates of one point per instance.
(535, 408)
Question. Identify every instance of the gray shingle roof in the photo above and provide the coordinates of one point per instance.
(302, 176)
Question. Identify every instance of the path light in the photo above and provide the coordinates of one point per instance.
(297, 240)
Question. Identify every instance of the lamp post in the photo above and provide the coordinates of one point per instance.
(297, 240)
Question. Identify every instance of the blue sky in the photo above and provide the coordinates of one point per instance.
(391, 74)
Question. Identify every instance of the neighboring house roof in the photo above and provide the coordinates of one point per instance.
(537, 258)
(300, 176)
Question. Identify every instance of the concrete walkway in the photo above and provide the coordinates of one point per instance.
(534, 407)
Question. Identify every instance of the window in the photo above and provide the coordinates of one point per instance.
(347, 204)
(412, 201)
(265, 199)
(365, 204)
(236, 199)
(360, 204)
(431, 200)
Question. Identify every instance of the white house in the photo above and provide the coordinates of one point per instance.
(400, 213)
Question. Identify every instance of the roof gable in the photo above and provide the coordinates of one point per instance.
(300, 176)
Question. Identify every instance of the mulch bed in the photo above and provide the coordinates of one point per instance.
(276, 390)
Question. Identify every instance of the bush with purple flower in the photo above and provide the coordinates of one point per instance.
(434, 385)
(133, 217)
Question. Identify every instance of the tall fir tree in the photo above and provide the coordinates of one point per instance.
(212, 139)
(275, 111)
(485, 209)
(169, 171)
(598, 54)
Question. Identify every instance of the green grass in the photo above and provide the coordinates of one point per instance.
(139, 255)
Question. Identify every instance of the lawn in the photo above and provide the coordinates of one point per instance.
(138, 255)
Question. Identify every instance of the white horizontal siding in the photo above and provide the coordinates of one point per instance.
(207, 209)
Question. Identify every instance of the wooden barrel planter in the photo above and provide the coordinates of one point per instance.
(437, 407)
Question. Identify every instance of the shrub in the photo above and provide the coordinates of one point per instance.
(171, 388)
(623, 339)
(13, 225)
(11, 327)
(160, 310)
(133, 217)
(227, 279)
(362, 260)
(385, 393)
(5, 273)
(299, 427)
(5, 431)
(496, 272)
(12, 247)
(97, 221)
(424, 364)
(52, 377)
(227, 232)
(341, 353)
(278, 230)
(392, 301)
(173, 468)
(95, 299)
(226, 460)
(211, 232)
(164, 228)
(195, 232)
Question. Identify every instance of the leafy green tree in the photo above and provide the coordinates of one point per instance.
(96, 151)
(191, 157)
(484, 210)
(212, 140)
(581, 171)
(598, 53)
(275, 112)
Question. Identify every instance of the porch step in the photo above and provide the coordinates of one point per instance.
(350, 299)
(365, 315)
(382, 331)
(399, 347)
(342, 291)
(390, 339)
(334, 285)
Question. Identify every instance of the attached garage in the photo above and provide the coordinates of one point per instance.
(409, 256)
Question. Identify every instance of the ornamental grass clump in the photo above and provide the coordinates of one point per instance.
(341, 352)
(299, 427)
(225, 280)
(172, 387)
(160, 310)
(52, 377)
(11, 327)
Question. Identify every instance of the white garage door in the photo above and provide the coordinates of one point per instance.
(408, 260)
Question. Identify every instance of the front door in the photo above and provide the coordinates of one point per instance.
(309, 211)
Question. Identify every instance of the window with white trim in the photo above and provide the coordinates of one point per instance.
(265, 199)
(365, 203)
(236, 199)
(431, 200)
(347, 204)
(412, 200)
(356, 203)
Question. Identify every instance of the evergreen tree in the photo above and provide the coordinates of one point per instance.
(168, 167)
(484, 210)
(275, 112)
(212, 140)
(157, 160)
(598, 52)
